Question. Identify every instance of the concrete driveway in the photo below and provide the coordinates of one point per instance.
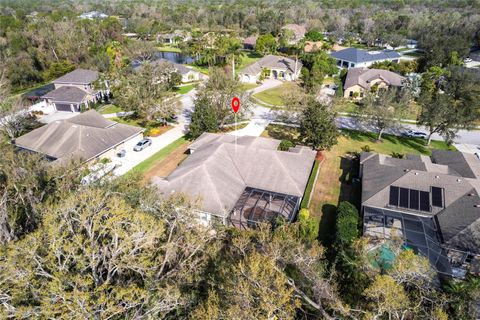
(266, 84)
(57, 115)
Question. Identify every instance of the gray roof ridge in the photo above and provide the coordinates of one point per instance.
(285, 169)
(391, 183)
(235, 166)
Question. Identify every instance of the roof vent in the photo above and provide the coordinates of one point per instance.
(477, 206)
(437, 177)
(416, 173)
(406, 170)
(459, 180)
(471, 194)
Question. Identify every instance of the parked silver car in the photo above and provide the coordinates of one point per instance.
(414, 134)
(142, 144)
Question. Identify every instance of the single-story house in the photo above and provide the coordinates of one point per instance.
(72, 91)
(361, 80)
(355, 58)
(312, 46)
(241, 180)
(271, 66)
(85, 137)
(297, 30)
(174, 37)
(188, 73)
(249, 43)
(431, 203)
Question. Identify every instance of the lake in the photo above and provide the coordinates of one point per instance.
(175, 57)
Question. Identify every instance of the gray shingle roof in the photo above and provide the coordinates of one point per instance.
(467, 165)
(358, 55)
(78, 76)
(272, 62)
(460, 216)
(84, 136)
(66, 94)
(219, 170)
(364, 77)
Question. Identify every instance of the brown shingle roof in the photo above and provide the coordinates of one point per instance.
(84, 136)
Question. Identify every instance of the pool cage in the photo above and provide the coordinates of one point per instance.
(260, 206)
(420, 234)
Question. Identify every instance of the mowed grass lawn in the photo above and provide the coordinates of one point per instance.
(109, 108)
(339, 167)
(149, 163)
(275, 95)
(184, 89)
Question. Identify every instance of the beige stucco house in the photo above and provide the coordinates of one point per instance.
(361, 80)
(271, 66)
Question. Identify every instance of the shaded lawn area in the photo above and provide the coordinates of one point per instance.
(163, 167)
(248, 86)
(149, 163)
(248, 58)
(349, 106)
(184, 89)
(167, 48)
(274, 96)
(334, 183)
(109, 108)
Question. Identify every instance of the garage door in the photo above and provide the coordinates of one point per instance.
(63, 107)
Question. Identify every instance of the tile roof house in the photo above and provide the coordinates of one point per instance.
(85, 137)
(276, 67)
(361, 80)
(355, 58)
(72, 91)
(242, 180)
(432, 203)
(249, 43)
(297, 30)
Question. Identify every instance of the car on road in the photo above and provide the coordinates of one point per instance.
(414, 134)
(142, 144)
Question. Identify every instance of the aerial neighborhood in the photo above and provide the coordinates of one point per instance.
(214, 160)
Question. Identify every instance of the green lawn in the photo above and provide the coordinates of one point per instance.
(247, 58)
(144, 166)
(169, 49)
(128, 120)
(201, 69)
(310, 185)
(349, 106)
(274, 96)
(248, 86)
(109, 108)
(184, 89)
(335, 180)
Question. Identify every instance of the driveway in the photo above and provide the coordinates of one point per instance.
(266, 84)
(261, 118)
(133, 158)
(58, 115)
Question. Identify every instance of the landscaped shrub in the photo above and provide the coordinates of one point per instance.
(308, 226)
(397, 155)
(153, 132)
(347, 224)
(285, 145)
(366, 148)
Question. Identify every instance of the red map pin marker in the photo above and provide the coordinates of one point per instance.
(235, 104)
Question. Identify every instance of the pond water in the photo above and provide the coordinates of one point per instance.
(175, 57)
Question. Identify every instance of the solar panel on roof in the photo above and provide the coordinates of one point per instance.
(414, 199)
(424, 201)
(393, 196)
(403, 198)
(437, 197)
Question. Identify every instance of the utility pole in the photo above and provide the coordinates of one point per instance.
(233, 66)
